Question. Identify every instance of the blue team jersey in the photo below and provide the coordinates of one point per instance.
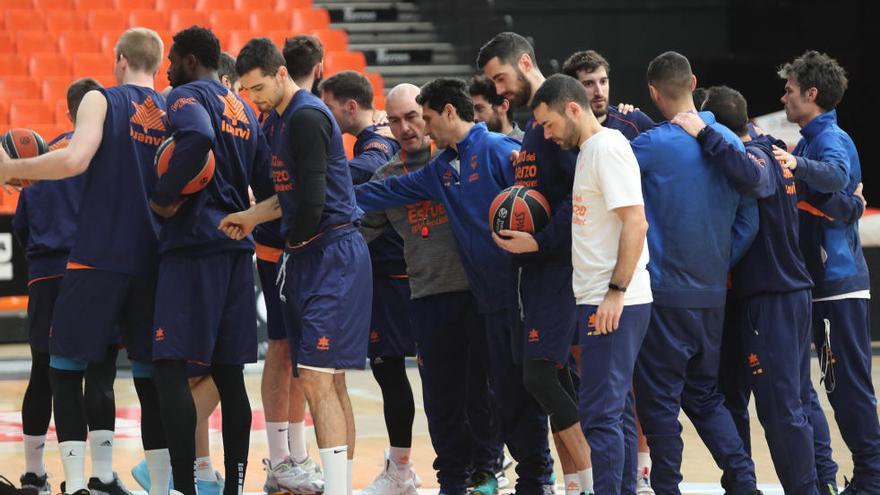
(204, 115)
(630, 125)
(371, 151)
(339, 205)
(116, 230)
(691, 207)
(269, 233)
(544, 166)
(828, 162)
(45, 220)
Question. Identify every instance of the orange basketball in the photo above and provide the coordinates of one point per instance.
(23, 143)
(197, 183)
(519, 208)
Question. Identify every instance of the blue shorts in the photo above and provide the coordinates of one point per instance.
(549, 312)
(206, 309)
(97, 309)
(42, 293)
(391, 333)
(275, 321)
(329, 283)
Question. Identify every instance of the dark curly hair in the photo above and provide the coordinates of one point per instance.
(820, 71)
(199, 42)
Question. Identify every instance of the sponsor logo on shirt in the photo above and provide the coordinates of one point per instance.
(159, 334)
(526, 169)
(534, 337)
(323, 344)
(149, 118)
(425, 214)
(233, 110)
(377, 145)
(280, 175)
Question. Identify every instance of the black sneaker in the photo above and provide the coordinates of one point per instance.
(115, 487)
(7, 488)
(38, 483)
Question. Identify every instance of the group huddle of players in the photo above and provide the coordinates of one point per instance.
(754, 253)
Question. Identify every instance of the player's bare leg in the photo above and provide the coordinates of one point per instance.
(331, 427)
(207, 398)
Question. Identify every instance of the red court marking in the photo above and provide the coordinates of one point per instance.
(127, 423)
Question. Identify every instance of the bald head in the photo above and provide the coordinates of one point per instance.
(405, 117)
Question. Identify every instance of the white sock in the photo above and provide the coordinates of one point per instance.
(34, 445)
(159, 467)
(349, 473)
(101, 445)
(572, 484)
(586, 477)
(334, 462)
(296, 441)
(644, 461)
(204, 469)
(73, 459)
(400, 457)
(276, 434)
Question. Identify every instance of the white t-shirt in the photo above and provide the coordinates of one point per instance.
(607, 177)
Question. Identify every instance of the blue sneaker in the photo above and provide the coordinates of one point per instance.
(210, 487)
(141, 474)
(484, 484)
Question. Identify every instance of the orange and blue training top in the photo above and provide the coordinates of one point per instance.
(205, 116)
(45, 220)
(116, 230)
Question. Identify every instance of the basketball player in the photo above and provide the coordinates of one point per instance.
(289, 466)
(466, 178)
(492, 109)
(591, 69)
(825, 160)
(110, 280)
(548, 313)
(201, 313)
(45, 224)
(609, 255)
(324, 249)
(349, 96)
(688, 280)
(226, 71)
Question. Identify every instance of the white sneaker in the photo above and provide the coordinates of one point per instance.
(310, 465)
(643, 485)
(389, 482)
(287, 476)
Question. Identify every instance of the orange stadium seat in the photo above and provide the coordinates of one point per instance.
(379, 101)
(153, 19)
(95, 65)
(234, 41)
(182, 19)
(55, 88)
(173, 5)
(58, 21)
(348, 143)
(15, 4)
(269, 20)
(106, 20)
(7, 42)
(221, 21)
(167, 38)
(91, 5)
(376, 81)
(17, 19)
(334, 40)
(340, 61)
(70, 42)
(18, 87)
(309, 19)
(252, 5)
(30, 42)
(4, 114)
(292, 4)
(30, 112)
(64, 5)
(14, 65)
(49, 64)
(127, 5)
(61, 112)
(108, 41)
(211, 5)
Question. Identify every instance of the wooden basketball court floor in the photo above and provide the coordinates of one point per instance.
(700, 473)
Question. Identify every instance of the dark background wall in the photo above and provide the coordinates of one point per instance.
(735, 42)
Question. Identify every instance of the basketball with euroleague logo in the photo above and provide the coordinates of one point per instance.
(23, 143)
(519, 208)
(197, 183)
